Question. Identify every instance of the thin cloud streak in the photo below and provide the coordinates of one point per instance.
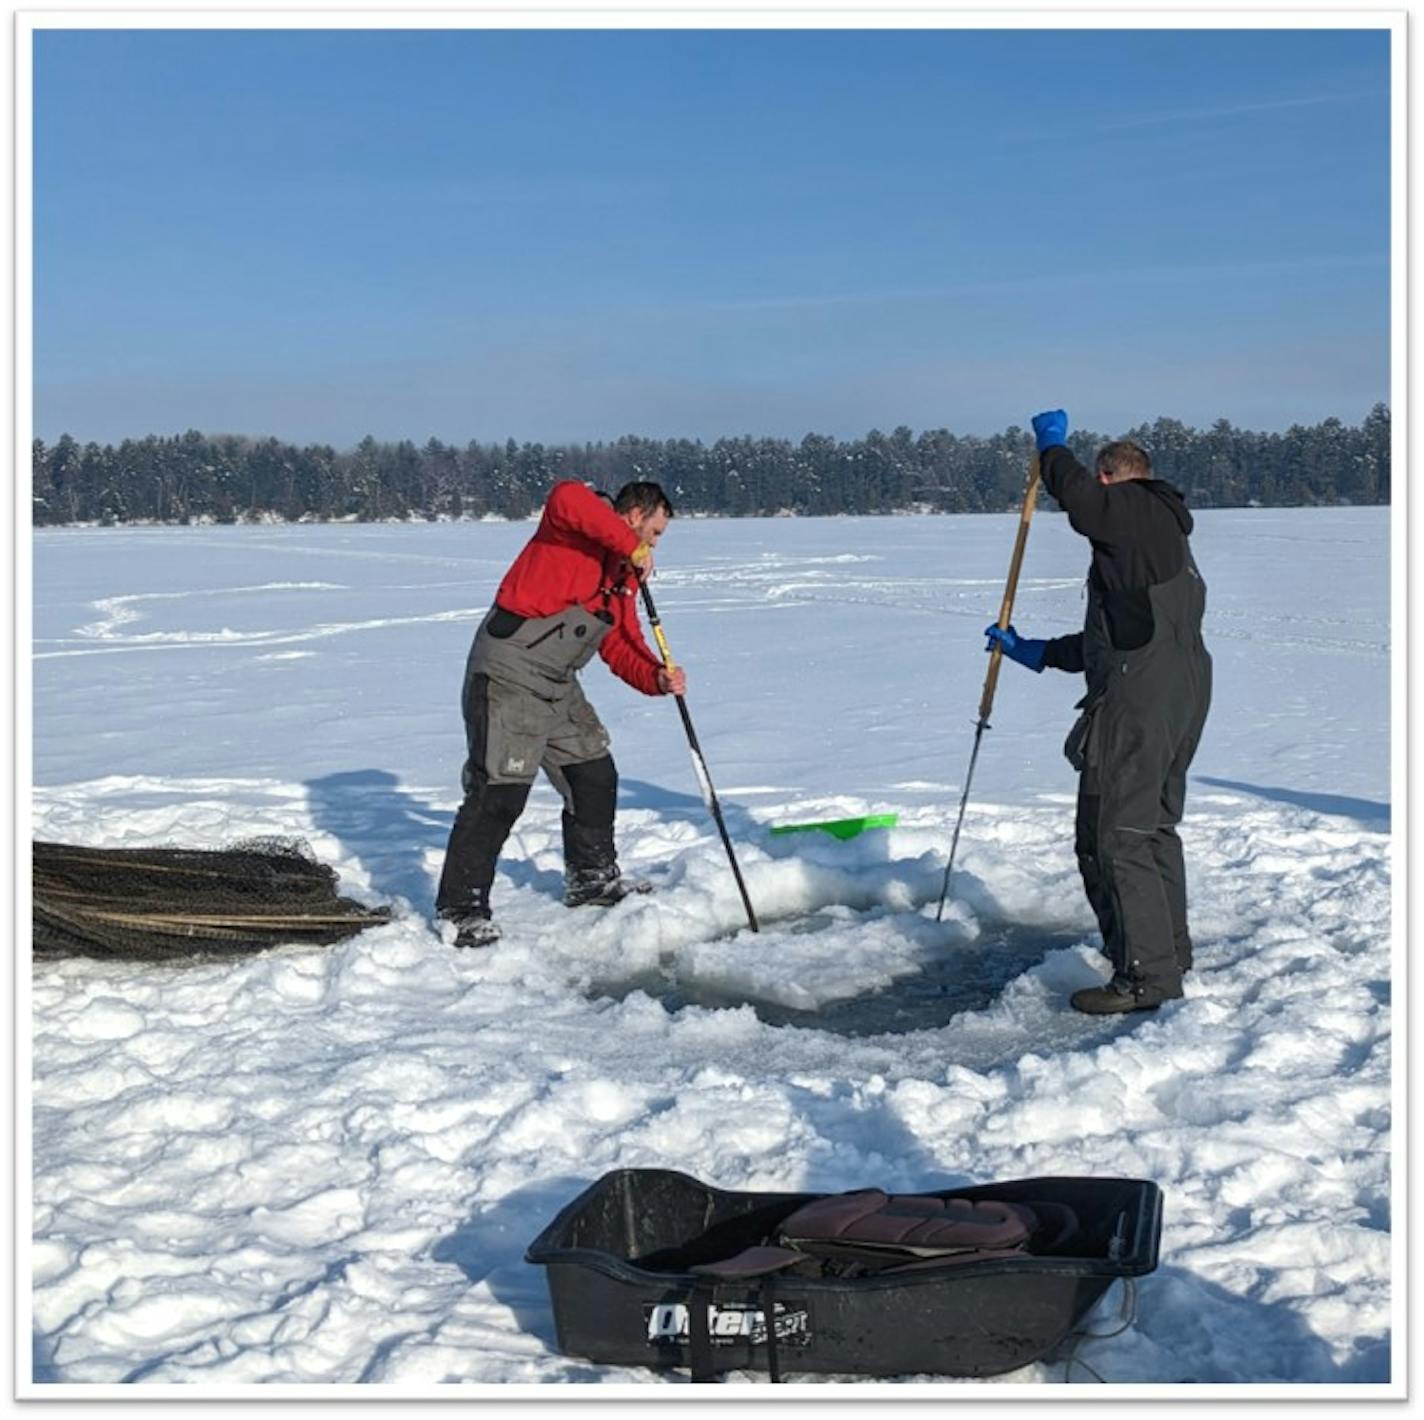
(1040, 280)
(1231, 110)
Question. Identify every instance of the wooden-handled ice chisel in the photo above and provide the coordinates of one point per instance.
(699, 762)
(996, 656)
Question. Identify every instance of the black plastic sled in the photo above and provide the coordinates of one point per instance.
(648, 1267)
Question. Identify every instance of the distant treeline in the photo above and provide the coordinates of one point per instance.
(226, 478)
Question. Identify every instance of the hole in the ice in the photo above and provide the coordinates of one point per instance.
(963, 979)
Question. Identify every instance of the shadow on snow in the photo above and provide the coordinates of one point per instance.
(392, 832)
(1366, 811)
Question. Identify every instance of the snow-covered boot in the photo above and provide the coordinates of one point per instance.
(1120, 995)
(600, 887)
(473, 924)
(476, 932)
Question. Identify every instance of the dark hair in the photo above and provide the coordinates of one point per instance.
(1124, 459)
(645, 497)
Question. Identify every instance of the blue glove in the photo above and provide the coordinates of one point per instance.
(1017, 648)
(1050, 428)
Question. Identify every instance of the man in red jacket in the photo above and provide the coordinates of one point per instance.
(570, 593)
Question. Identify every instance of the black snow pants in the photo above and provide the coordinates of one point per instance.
(1139, 729)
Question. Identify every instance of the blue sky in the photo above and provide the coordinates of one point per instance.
(567, 235)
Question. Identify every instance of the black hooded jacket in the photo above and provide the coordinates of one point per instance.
(1138, 530)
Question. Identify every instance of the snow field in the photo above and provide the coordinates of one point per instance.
(383, 1123)
(322, 1166)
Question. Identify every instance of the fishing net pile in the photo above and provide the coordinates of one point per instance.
(155, 904)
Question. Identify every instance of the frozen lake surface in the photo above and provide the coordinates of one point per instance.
(322, 1166)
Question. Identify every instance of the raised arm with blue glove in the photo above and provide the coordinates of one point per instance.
(1050, 429)
(1015, 647)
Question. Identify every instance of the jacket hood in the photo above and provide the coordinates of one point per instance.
(1172, 499)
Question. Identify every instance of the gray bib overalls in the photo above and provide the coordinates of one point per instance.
(524, 711)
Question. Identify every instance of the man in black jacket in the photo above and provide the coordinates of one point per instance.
(1149, 687)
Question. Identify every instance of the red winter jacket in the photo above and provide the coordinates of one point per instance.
(579, 556)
